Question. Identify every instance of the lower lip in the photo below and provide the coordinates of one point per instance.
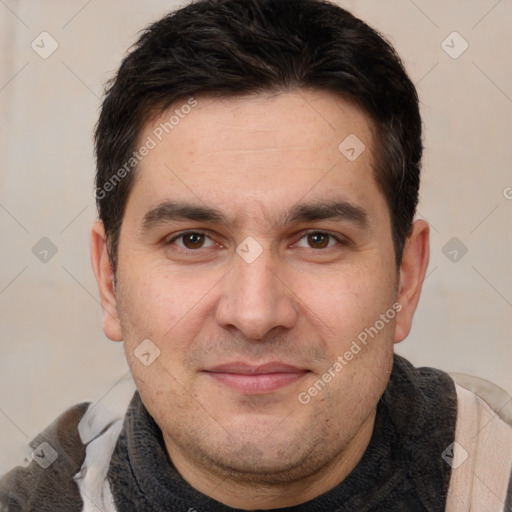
(257, 383)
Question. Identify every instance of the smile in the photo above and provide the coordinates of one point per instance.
(250, 379)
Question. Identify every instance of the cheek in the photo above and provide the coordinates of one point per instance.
(158, 318)
(157, 301)
(148, 305)
(347, 301)
(168, 308)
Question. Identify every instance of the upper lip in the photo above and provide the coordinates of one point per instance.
(243, 368)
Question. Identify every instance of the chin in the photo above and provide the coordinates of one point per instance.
(254, 455)
(257, 464)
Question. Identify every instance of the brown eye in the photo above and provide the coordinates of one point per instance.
(193, 240)
(318, 240)
(321, 240)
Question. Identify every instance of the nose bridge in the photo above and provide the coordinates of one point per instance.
(254, 282)
(254, 299)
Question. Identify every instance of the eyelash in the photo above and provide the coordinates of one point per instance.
(341, 241)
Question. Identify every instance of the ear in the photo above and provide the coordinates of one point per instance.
(412, 274)
(104, 276)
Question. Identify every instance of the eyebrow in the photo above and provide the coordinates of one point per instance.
(169, 211)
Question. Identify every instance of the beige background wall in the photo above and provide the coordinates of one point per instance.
(53, 351)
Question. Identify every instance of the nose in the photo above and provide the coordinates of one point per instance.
(256, 298)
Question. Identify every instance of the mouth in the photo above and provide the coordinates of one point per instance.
(256, 379)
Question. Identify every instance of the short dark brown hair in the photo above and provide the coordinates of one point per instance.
(232, 47)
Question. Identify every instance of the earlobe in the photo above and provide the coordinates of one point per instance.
(104, 273)
(412, 274)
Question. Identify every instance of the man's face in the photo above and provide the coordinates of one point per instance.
(305, 283)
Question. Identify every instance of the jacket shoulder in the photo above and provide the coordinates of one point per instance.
(46, 483)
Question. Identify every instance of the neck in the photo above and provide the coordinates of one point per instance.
(237, 491)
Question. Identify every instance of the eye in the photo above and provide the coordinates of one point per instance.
(320, 240)
(191, 240)
(194, 240)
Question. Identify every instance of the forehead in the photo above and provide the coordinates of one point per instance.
(254, 155)
(292, 121)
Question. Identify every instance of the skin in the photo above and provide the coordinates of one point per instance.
(299, 302)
